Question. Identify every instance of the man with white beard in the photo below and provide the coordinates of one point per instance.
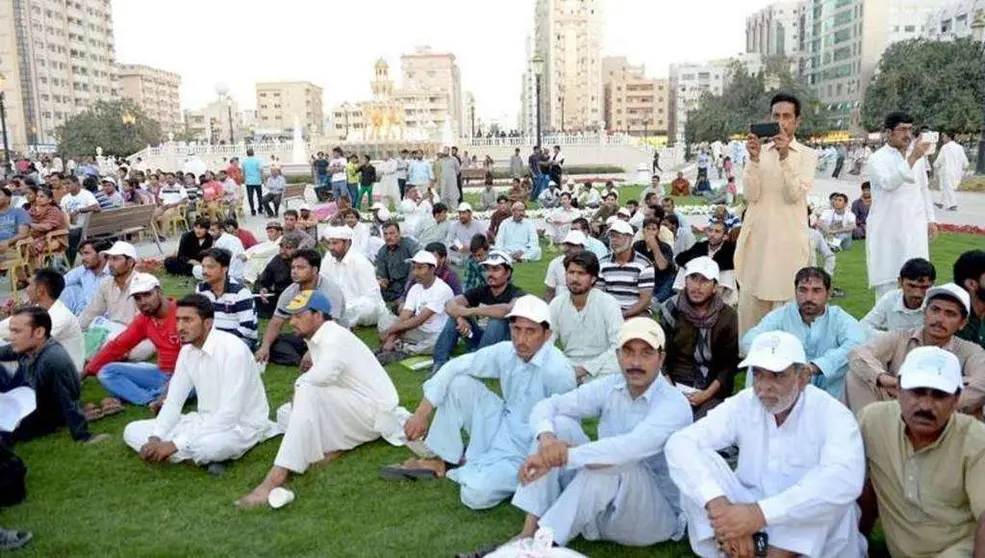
(901, 219)
(950, 164)
(356, 276)
(801, 465)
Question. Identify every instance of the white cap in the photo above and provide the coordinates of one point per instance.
(465, 206)
(622, 227)
(407, 206)
(122, 249)
(951, 290)
(383, 214)
(497, 257)
(570, 182)
(610, 219)
(338, 233)
(644, 329)
(143, 283)
(424, 257)
(377, 205)
(775, 351)
(704, 266)
(531, 308)
(931, 367)
(304, 207)
(109, 179)
(624, 211)
(575, 237)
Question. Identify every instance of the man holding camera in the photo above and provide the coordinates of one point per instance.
(773, 242)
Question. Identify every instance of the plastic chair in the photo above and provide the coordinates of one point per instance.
(18, 260)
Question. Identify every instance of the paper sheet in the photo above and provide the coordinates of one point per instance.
(14, 406)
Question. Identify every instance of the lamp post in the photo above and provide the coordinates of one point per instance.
(472, 131)
(3, 123)
(562, 107)
(223, 91)
(538, 66)
(978, 33)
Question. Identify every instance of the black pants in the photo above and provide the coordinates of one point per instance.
(287, 349)
(252, 189)
(402, 184)
(272, 211)
(74, 239)
(839, 162)
(460, 195)
(176, 266)
(57, 398)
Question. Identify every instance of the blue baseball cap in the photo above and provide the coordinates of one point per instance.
(310, 300)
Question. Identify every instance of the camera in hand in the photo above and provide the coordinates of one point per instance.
(764, 130)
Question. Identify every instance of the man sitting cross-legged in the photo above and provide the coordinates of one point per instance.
(488, 303)
(616, 488)
(926, 463)
(347, 267)
(340, 403)
(232, 414)
(801, 465)
(902, 308)
(586, 320)
(529, 369)
(235, 311)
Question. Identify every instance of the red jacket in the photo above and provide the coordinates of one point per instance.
(247, 238)
(163, 334)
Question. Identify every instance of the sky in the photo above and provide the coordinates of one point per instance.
(334, 43)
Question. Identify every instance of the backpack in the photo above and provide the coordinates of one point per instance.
(12, 475)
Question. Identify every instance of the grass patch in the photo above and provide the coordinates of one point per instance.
(103, 501)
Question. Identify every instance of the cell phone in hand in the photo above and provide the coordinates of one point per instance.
(764, 130)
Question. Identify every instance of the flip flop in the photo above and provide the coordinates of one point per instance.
(400, 473)
(92, 413)
(111, 406)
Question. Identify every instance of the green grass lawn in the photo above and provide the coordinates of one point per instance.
(103, 501)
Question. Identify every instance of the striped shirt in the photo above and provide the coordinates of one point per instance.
(235, 311)
(626, 282)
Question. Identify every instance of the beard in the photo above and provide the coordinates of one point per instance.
(784, 403)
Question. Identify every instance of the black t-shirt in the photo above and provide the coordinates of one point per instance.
(483, 296)
(321, 166)
(668, 253)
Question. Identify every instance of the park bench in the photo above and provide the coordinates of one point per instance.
(113, 224)
(293, 192)
(473, 173)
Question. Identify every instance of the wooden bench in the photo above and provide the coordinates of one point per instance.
(473, 173)
(117, 223)
(293, 192)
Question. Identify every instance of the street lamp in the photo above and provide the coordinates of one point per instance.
(3, 123)
(978, 33)
(538, 66)
(223, 91)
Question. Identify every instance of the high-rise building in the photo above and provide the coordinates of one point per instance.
(528, 93)
(435, 79)
(156, 92)
(568, 35)
(776, 31)
(688, 82)
(634, 103)
(846, 40)
(280, 104)
(952, 20)
(57, 57)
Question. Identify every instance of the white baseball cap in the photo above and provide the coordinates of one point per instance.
(377, 205)
(704, 266)
(383, 214)
(120, 248)
(624, 211)
(497, 257)
(465, 206)
(109, 179)
(338, 233)
(621, 227)
(304, 207)
(644, 329)
(143, 283)
(951, 290)
(575, 237)
(531, 308)
(610, 219)
(424, 257)
(775, 351)
(931, 367)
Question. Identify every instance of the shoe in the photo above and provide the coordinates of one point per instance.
(952, 208)
(218, 468)
(12, 540)
(389, 357)
(939, 205)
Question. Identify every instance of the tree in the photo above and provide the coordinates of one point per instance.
(938, 83)
(746, 99)
(107, 124)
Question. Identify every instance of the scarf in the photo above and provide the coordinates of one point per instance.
(681, 305)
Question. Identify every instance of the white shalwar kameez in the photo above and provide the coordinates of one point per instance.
(344, 400)
(357, 278)
(499, 432)
(559, 223)
(257, 258)
(950, 164)
(629, 498)
(232, 414)
(805, 474)
(896, 229)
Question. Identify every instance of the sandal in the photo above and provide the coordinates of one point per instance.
(92, 413)
(401, 472)
(111, 406)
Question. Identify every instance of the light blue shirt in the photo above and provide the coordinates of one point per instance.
(826, 341)
(276, 184)
(420, 173)
(87, 282)
(252, 171)
(629, 430)
(519, 237)
(596, 246)
(522, 385)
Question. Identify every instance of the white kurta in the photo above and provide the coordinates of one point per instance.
(344, 400)
(232, 414)
(950, 164)
(589, 337)
(805, 474)
(896, 229)
(559, 223)
(357, 278)
(257, 258)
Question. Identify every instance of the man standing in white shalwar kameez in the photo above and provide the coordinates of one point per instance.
(950, 165)
(529, 369)
(232, 414)
(449, 169)
(356, 276)
(801, 464)
(902, 215)
(616, 488)
(344, 400)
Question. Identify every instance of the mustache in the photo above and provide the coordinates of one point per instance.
(925, 414)
(635, 370)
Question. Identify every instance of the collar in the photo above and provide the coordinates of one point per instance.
(228, 286)
(539, 357)
(898, 305)
(794, 145)
(917, 335)
(649, 395)
(322, 335)
(210, 343)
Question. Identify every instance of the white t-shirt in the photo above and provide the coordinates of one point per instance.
(338, 162)
(556, 276)
(170, 195)
(71, 204)
(434, 298)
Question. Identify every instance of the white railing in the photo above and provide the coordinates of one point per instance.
(559, 139)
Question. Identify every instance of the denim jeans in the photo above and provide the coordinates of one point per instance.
(496, 331)
(353, 189)
(664, 288)
(139, 383)
(339, 188)
(540, 182)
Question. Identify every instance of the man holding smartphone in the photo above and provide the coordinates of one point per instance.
(773, 242)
